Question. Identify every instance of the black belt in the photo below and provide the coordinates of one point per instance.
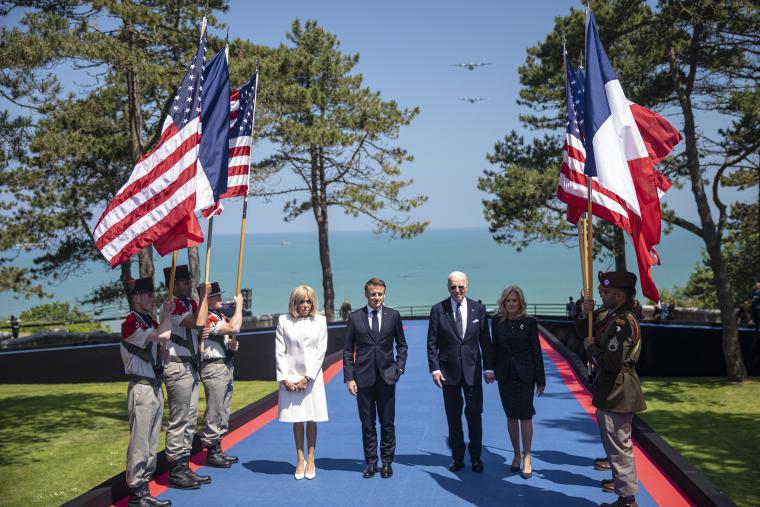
(147, 381)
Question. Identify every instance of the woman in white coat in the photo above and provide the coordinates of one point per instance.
(300, 350)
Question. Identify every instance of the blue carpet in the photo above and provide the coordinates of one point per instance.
(564, 444)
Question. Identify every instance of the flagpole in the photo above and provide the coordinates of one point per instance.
(590, 226)
(584, 224)
(203, 304)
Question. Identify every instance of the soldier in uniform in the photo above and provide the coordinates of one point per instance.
(617, 396)
(182, 380)
(140, 345)
(216, 374)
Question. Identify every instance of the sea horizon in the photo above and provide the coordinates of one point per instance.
(414, 269)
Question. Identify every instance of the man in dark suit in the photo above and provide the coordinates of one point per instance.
(372, 376)
(458, 340)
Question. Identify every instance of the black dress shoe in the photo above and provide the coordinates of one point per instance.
(456, 465)
(608, 485)
(369, 471)
(477, 465)
(387, 471)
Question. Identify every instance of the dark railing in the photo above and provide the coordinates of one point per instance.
(117, 315)
(533, 309)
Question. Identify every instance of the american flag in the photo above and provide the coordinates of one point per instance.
(572, 188)
(242, 112)
(161, 191)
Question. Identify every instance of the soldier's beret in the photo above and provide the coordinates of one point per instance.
(215, 289)
(182, 273)
(140, 286)
(617, 279)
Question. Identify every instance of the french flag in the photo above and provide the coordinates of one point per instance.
(620, 159)
(213, 155)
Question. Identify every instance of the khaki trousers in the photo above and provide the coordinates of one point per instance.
(145, 405)
(182, 387)
(217, 384)
(615, 430)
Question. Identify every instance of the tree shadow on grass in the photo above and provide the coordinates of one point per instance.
(722, 445)
(43, 418)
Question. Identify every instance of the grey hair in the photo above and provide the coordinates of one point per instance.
(457, 274)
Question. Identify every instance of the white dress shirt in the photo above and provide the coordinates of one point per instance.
(379, 316)
(463, 317)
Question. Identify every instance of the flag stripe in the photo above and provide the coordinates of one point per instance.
(160, 178)
(124, 219)
(147, 222)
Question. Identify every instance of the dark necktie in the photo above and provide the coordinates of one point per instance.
(458, 320)
(375, 324)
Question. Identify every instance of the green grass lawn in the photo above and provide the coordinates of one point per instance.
(715, 425)
(58, 441)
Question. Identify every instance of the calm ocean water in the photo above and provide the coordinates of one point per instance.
(415, 270)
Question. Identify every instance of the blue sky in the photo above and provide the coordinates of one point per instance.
(407, 49)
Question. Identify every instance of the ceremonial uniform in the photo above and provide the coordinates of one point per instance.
(182, 380)
(145, 399)
(616, 389)
(216, 374)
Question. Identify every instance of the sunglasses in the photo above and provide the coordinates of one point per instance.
(457, 287)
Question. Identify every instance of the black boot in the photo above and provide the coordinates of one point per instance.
(214, 457)
(179, 479)
(142, 498)
(231, 459)
(202, 479)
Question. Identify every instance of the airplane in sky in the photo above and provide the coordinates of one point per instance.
(470, 65)
(473, 100)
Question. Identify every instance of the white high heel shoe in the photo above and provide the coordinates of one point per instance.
(301, 475)
(308, 475)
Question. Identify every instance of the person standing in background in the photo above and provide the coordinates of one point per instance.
(345, 309)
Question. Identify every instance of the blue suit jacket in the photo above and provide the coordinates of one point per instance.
(374, 353)
(460, 358)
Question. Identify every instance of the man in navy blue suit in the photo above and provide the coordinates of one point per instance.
(372, 376)
(458, 341)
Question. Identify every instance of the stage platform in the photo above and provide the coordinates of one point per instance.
(565, 442)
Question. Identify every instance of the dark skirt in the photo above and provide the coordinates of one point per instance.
(517, 399)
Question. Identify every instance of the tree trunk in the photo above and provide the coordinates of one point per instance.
(619, 250)
(319, 206)
(194, 264)
(711, 235)
(732, 353)
(144, 256)
(126, 275)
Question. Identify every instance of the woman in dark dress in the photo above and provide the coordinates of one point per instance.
(519, 366)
